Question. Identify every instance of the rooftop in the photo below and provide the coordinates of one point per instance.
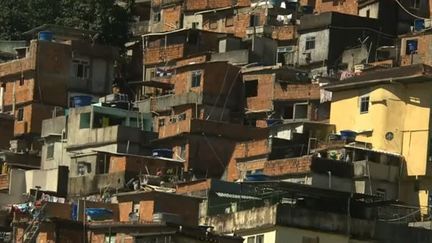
(404, 74)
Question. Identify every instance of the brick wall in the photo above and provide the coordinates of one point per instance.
(156, 55)
(171, 18)
(288, 166)
(296, 91)
(423, 54)
(286, 32)
(242, 150)
(193, 5)
(23, 93)
(193, 186)
(263, 101)
(238, 28)
(124, 209)
(4, 182)
(342, 6)
(146, 210)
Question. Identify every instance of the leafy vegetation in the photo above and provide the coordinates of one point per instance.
(108, 19)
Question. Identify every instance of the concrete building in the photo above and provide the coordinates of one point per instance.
(381, 106)
(68, 64)
(275, 94)
(275, 211)
(324, 37)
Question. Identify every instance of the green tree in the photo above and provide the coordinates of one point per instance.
(105, 17)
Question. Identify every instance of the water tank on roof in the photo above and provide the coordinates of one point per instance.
(81, 100)
(165, 153)
(45, 36)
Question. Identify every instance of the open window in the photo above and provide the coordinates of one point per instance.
(301, 111)
(251, 88)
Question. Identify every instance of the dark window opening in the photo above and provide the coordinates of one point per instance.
(288, 112)
(196, 79)
(411, 47)
(181, 117)
(103, 165)
(157, 16)
(254, 20)
(251, 88)
(192, 38)
(310, 43)
(50, 151)
(20, 114)
(21, 81)
(300, 111)
(368, 13)
(364, 104)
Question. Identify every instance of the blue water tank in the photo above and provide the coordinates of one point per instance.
(46, 36)
(348, 135)
(164, 153)
(81, 100)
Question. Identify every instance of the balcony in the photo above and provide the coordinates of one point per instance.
(164, 103)
(85, 185)
(112, 135)
(4, 182)
(263, 30)
(227, 130)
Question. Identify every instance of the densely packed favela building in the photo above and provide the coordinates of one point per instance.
(243, 121)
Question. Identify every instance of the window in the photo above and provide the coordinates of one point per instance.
(364, 104)
(310, 43)
(255, 239)
(3, 85)
(181, 117)
(84, 120)
(110, 238)
(161, 122)
(301, 111)
(411, 46)
(157, 16)
(196, 25)
(83, 168)
(50, 151)
(213, 24)
(229, 20)
(288, 112)
(173, 120)
(251, 88)
(196, 79)
(310, 239)
(20, 114)
(81, 68)
(254, 20)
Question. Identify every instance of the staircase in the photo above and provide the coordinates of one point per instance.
(31, 232)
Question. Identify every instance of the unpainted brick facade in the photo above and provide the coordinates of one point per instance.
(342, 6)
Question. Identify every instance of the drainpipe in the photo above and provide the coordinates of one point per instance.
(329, 179)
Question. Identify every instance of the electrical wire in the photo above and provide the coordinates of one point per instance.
(408, 12)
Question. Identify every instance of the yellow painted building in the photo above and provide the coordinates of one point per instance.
(390, 109)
